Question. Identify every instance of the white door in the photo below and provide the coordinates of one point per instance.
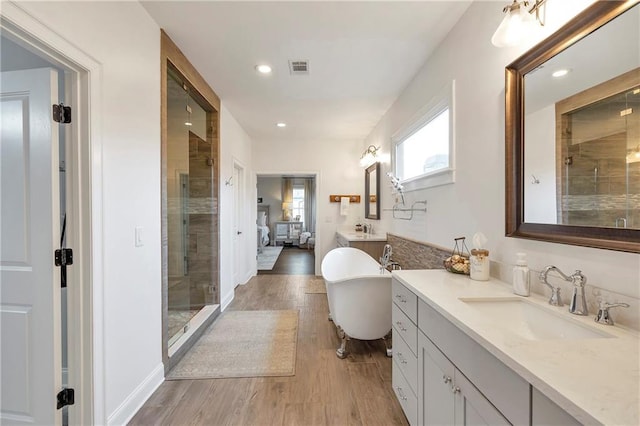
(29, 233)
(238, 222)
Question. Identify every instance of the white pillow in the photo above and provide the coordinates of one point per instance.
(262, 219)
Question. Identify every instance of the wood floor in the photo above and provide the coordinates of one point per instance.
(324, 391)
(293, 261)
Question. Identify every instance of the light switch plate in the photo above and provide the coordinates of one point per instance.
(139, 241)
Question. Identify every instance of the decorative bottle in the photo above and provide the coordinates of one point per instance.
(521, 283)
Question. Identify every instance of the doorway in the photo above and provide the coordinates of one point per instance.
(290, 200)
(239, 234)
(46, 306)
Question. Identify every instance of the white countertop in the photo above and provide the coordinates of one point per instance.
(361, 236)
(595, 380)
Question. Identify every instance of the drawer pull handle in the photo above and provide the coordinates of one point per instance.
(446, 379)
(401, 358)
(400, 298)
(455, 389)
(399, 324)
(401, 393)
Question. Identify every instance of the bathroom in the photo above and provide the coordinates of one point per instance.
(128, 298)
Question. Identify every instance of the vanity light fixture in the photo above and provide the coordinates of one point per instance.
(517, 23)
(369, 156)
(281, 124)
(263, 69)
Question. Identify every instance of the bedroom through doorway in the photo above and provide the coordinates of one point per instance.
(286, 224)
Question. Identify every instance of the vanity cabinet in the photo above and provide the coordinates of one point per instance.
(451, 378)
(373, 247)
(446, 396)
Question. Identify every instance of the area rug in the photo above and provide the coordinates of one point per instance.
(315, 286)
(243, 344)
(268, 257)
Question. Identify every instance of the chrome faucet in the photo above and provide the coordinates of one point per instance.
(578, 304)
(386, 257)
(369, 228)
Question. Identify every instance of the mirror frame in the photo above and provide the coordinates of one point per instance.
(375, 167)
(592, 18)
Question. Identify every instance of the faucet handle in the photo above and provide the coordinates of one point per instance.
(603, 317)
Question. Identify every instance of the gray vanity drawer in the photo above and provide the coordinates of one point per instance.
(502, 386)
(407, 363)
(405, 299)
(405, 395)
(405, 328)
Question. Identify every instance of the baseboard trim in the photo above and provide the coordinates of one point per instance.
(130, 406)
(227, 300)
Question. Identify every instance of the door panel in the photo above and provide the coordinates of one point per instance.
(29, 233)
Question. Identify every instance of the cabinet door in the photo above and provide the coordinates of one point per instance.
(435, 380)
(471, 407)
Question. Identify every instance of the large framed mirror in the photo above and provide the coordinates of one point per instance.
(573, 139)
(372, 191)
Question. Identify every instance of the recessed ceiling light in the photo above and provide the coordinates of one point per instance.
(281, 124)
(263, 68)
(560, 73)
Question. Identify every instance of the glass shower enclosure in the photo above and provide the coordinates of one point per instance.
(191, 208)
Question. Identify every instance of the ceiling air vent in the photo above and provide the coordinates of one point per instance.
(299, 67)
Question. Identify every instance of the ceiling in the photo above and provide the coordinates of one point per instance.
(361, 56)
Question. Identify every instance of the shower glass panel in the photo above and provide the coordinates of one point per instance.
(601, 164)
(189, 208)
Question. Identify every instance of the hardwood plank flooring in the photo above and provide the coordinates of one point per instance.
(293, 261)
(324, 391)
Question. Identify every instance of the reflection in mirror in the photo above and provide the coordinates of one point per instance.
(573, 131)
(372, 191)
(582, 117)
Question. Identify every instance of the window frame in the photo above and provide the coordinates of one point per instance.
(439, 103)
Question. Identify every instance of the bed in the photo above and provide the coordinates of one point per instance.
(263, 227)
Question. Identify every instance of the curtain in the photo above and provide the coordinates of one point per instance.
(310, 204)
(287, 196)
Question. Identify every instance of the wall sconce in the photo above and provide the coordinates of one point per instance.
(518, 23)
(369, 156)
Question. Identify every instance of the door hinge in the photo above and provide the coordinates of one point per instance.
(63, 257)
(61, 113)
(65, 397)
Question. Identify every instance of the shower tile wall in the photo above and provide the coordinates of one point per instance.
(601, 186)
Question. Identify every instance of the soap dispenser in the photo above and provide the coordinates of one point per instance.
(521, 285)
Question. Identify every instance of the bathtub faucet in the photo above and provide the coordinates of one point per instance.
(386, 257)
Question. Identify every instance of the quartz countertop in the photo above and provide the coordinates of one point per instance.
(361, 236)
(596, 380)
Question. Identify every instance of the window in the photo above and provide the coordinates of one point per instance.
(423, 149)
(298, 202)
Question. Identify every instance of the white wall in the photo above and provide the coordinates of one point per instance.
(476, 201)
(126, 42)
(235, 146)
(270, 189)
(540, 154)
(335, 163)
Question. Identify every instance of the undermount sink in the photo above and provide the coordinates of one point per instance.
(531, 321)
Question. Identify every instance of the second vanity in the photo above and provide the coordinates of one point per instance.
(372, 244)
(471, 352)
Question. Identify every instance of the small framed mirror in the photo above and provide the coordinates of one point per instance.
(372, 192)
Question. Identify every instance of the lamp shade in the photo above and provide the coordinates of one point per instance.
(517, 25)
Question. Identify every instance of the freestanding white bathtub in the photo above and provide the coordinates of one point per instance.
(359, 294)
